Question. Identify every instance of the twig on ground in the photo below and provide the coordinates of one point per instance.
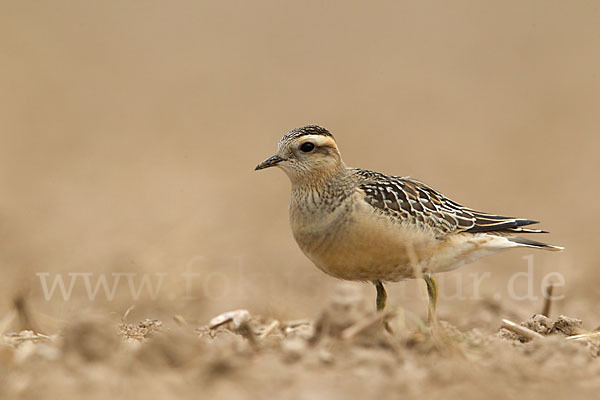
(364, 324)
(297, 322)
(548, 299)
(269, 329)
(589, 335)
(130, 309)
(179, 320)
(520, 330)
(26, 320)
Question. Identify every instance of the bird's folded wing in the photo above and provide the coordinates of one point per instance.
(414, 202)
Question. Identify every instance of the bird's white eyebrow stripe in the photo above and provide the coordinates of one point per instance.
(318, 140)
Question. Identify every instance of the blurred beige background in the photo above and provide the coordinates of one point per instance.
(130, 131)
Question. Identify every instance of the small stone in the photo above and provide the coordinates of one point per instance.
(236, 317)
(539, 323)
(293, 349)
(567, 325)
(326, 357)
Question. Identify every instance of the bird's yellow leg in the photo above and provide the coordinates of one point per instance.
(432, 291)
(381, 295)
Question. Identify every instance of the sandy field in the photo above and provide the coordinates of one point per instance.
(131, 215)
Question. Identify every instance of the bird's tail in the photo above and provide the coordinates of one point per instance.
(532, 243)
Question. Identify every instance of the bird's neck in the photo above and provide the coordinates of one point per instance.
(319, 180)
(327, 188)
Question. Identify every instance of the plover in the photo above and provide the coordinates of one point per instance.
(362, 225)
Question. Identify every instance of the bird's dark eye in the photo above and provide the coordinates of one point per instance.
(307, 147)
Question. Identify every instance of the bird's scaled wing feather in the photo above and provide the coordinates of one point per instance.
(414, 202)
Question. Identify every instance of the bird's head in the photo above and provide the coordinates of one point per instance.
(306, 153)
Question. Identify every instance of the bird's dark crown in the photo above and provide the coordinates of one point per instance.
(306, 130)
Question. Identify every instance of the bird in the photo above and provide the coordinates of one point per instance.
(361, 225)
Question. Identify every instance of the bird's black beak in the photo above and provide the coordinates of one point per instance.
(269, 162)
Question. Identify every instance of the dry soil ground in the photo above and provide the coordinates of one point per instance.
(129, 132)
(345, 352)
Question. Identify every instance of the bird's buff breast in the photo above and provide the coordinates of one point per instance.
(355, 244)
